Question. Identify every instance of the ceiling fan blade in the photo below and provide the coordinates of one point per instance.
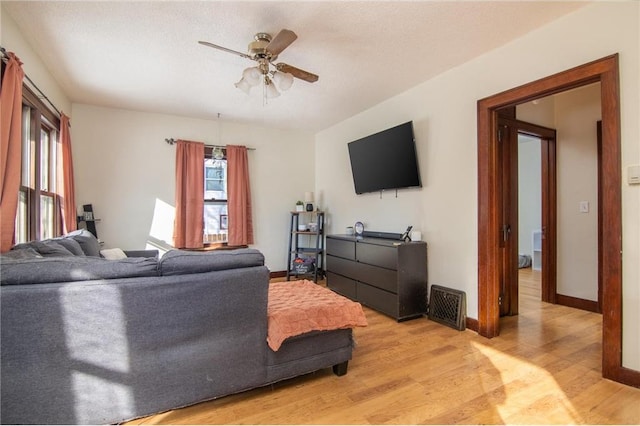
(281, 41)
(215, 46)
(297, 72)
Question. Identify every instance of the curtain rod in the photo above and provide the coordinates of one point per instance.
(172, 141)
(42, 95)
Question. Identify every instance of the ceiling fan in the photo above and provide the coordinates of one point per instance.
(265, 50)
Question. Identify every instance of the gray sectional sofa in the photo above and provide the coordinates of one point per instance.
(90, 340)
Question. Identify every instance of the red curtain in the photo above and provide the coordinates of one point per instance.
(188, 225)
(239, 197)
(66, 188)
(10, 148)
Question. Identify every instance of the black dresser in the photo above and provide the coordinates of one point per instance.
(387, 275)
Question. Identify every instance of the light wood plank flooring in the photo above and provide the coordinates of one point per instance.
(544, 368)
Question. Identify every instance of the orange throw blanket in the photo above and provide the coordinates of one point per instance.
(297, 307)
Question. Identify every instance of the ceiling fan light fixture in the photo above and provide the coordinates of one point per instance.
(264, 50)
(252, 76)
(243, 85)
(284, 80)
(270, 89)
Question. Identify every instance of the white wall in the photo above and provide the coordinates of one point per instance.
(576, 115)
(126, 170)
(13, 41)
(542, 113)
(444, 113)
(529, 192)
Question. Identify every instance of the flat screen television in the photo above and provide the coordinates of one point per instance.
(385, 160)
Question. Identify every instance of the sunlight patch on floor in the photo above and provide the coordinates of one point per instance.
(526, 388)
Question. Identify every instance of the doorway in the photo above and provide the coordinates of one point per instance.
(490, 257)
(540, 212)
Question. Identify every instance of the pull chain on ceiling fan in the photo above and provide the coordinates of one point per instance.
(264, 50)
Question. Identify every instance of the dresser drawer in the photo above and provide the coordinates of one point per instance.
(342, 285)
(372, 254)
(341, 248)
(385, 279)
(377, 299)
(344, 267)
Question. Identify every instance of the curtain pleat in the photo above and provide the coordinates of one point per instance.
(239, 197)
(66, 186)
(188, 225)
(10, 148)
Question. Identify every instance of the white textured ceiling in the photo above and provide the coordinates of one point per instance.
(144, 55)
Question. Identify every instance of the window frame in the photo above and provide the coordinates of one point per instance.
(40, 118)
(208, 155)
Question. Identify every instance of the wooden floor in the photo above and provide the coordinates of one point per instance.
(544, 368)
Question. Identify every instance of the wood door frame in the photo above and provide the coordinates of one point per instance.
(605, 71)
(508, 190)
(547, 137)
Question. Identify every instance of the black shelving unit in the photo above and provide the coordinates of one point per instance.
(88, 219)
(306, 244)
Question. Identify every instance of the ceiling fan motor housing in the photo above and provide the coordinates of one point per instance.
(258, 49)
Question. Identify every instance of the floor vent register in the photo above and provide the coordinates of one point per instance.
(448, 306)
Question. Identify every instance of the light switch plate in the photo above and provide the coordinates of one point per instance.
(633, 175)
(584, 207)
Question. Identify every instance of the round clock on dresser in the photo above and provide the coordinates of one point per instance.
(358, 229)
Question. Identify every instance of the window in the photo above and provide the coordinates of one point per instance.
(215, 197)
(38, 216)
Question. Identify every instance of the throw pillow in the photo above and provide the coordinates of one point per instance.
(70, 244)
(89, 243)
(113, 254)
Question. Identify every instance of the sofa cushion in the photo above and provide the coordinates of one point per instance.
(88, 242)
(70, 244)
(21, 253)
(179, 262)
(73, 268)
(46, 248)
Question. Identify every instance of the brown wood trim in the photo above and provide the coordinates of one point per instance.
(599, 151)
(575, 302)
(277, 274)
(606, 71)
(611, 222)
(35, 101)
(472, 324)
(547, 138)
(549, 220)
(628, 376)
(488, 222)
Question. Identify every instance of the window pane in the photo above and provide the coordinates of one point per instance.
(44, 159)
(53, 159)
(22, 218)
(26, 147)
(215, 179)
(214, 230)
(46, 217)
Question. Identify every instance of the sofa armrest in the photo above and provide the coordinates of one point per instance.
(142, 253)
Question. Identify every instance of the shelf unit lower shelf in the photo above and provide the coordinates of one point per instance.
(306, 247)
